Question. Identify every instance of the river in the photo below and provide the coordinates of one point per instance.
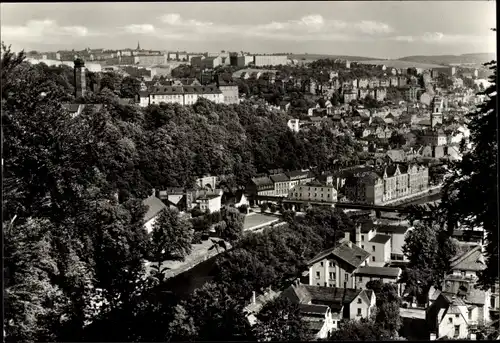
(184, 284)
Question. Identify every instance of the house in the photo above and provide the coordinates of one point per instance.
(450, 317)
(294, 125)
(348, 302)
(236, 199)
(257, 303)
(261, 186)
(314, 192)
(299, 177)
(385, 274)
(209, 201)
(155, 206)
(334, 267)
(397, 234)
(377, 245)
(281, 184)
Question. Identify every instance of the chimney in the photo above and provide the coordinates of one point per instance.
(153, 192)
(79, 72)
(254, 299)
(349, 244)
(432, 336)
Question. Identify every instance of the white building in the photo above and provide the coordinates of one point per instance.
(313, 192)
(182, 95)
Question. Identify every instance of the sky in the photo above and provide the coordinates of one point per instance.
(379, 29)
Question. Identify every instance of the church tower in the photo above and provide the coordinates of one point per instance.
(138, 46)
(80, 84)
(437, 114)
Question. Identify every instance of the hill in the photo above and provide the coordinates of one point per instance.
(402, 64)
(452, 59)
(313, 57)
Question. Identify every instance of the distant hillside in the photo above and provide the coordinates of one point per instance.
(313, 57)
(452, 59)
(402, 64)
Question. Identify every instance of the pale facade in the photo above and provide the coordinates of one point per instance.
(270, 60)
(317, 193)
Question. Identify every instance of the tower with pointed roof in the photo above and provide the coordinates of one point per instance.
(138, 46)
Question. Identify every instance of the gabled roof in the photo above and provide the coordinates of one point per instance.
(279, 178)
(470, 260)
(313, 309)
(352, 255)
(388, 229)
(155, 206)
(378, 271)
(332, 294)
(262, 181)
(381, 239)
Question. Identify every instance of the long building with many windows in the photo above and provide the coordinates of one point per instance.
(182, 95)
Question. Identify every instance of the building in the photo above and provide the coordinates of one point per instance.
(182, 95)
(348, 302)
(385, 274)
(314, 192)
(281, 184)
(155, 207)
(380, 94)
(377, 245)
(261, 186)
(335, 267)
(209, 201)
(293, 124)
(299, 177)
(80, 82)
(230, 92)
(435, 137)
(397, 233)
(270, 60)
(395, 181)
(350, 95)
(242, 60)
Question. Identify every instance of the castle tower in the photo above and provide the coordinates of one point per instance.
(80, 84)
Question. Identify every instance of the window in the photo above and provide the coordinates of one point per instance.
(362, 246)
(359, 301)
(362, 238)
(317, 275)
(321, 264)
(317, 284)
(328, 195)
(373, 248)
(450, 320)
(331, 263)
(346, 277)
(373, 258)
(360, 279)
(457, 330)
(332, 276)
(359, 312)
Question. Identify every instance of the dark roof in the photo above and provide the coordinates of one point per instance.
(294, 174)
(332, 294)
(71, 107)
(387, 229)
(353, 255)
(313, 309)
(379, 271)
(154, 205)
(279, 177)
(382, 239)
(262, 181)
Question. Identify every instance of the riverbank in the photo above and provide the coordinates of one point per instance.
(431, 191)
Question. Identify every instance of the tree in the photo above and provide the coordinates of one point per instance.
(232, 227)
(356, 330)
(243, 265)
(171, 238)
(129, 87)
(263, 207)
(280, 320)
(429, 250)
(217, 316)
(388, 304)
(397, 140)
(330, 224)
(470, 193)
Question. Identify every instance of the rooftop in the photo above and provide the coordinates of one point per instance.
(279, 178)
(155, 206)
(353, 254)
(379, 271)
(381, 239)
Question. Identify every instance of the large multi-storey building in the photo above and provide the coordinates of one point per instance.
(315, 192)
(230, 92)
(182, 95)
(395, 181)
(270, 60)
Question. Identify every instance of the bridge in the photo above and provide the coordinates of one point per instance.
(343, 205)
